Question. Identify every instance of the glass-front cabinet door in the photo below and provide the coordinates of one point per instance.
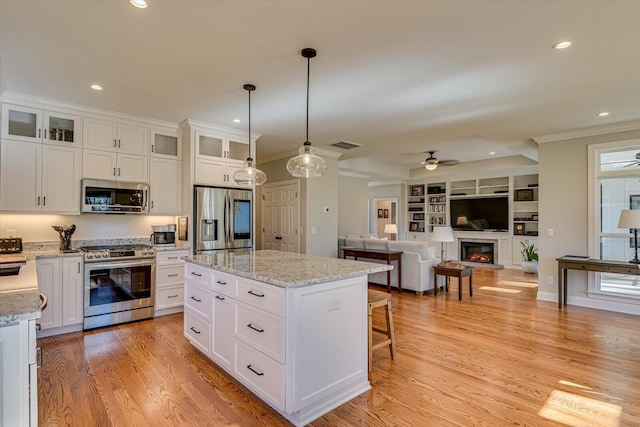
(238, 150)
(61, 129)
(166, 144)
(33, 125)
(21, 123)
(209, 146)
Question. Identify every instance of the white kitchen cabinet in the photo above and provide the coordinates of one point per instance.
(39, 178)
(27, 124)
(217, 157)
(18, 374)
(98, 164)
(99, 134)
(276, 340)
(61, 280)
(165, 186)
(166, 144)
(169, 282)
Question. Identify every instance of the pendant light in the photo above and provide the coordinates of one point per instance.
(249, 174)
(307, 164)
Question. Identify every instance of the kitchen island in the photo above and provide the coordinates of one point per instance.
(291, 327)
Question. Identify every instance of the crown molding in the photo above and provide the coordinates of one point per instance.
(353, 175)
(594, 131)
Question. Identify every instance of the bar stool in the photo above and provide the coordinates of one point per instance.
(377, 299)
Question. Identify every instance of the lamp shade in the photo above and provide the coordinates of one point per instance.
(390, 229)
(629, 219)
(462, 220)
(442, 234)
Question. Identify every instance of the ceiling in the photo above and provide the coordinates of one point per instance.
(463, 78)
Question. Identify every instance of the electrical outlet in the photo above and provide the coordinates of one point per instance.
(549, 280)
(333, 304)
(11, 233)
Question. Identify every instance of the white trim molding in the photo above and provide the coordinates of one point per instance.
(581, 133)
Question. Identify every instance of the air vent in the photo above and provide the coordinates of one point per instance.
(346, 145)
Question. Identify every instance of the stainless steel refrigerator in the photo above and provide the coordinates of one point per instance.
(223, 219)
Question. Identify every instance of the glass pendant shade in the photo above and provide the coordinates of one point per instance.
(249, 175)
(307, 164)
(431, 166)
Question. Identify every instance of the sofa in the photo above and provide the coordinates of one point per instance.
(417, 261)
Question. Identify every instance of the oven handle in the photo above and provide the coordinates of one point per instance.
(109, 264)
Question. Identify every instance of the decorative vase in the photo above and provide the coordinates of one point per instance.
(65, 235)
(530, 267)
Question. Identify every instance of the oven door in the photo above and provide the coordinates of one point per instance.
(111, 287)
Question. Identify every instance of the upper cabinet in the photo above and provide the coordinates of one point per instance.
(217, 157)
(106, 135)
(35, 125)
(166, 144)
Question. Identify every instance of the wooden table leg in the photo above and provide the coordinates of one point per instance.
(471, 283)
(389, 277)
(400, 274)
(435, 282)
(565, 286)
(559, 286)
(460, 286)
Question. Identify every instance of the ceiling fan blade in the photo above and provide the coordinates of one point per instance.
(448, 162)
(632, 164)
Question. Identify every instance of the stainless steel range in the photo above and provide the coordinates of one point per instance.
(119, 284)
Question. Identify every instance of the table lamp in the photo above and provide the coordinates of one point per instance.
(631, 219)
(442, 234)
(390, 229)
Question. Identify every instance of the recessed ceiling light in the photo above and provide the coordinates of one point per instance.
(603, 114)
(139, 3)
(492, 153)
(562, 45)
(236, 120)
(96, 87)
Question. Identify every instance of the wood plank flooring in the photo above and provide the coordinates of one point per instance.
(500, 358)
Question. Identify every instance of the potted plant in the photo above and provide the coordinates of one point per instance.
(529, 258)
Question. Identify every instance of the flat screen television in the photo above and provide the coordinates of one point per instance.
(480, 213)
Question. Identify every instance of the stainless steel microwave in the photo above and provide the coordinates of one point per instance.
(100, 196)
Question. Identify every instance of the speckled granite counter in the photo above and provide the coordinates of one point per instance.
(21, 305)
(179, 246)
(286, 269)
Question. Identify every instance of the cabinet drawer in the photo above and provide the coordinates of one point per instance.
(224, 283)
(199, 274)
(170, 297)
(264, 331)
(170, 257)
(198, 299)
(198, 331)
(261, 374)
(262, 295)
(168, 275)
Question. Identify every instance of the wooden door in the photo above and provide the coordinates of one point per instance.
(280, 217)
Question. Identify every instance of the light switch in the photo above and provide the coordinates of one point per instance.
(314, 230)
(549, 232)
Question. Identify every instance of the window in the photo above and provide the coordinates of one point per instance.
(615, 180)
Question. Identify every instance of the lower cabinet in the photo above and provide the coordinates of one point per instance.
(302, 350)
(60, 279)
(169, 296)
(18, 374)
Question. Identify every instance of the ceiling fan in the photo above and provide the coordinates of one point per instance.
(431, 163)
(634, 163)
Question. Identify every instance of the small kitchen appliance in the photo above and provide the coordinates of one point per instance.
(163, 235)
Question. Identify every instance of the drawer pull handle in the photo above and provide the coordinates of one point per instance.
(172, 257)
(172, 296)
(221, 282)
(220, 298)
(196, 274)
(258, 329)
(172, 275)
(254, 371)
(194, 330)
(196, 299)
(257, 295)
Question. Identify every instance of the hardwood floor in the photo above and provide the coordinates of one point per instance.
(499, 358)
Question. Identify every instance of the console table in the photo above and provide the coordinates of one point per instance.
(387, 256)
(587, 264)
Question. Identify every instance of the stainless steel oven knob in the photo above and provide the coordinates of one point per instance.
(89, 256)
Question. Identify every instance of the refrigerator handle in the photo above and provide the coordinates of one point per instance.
(229, 231)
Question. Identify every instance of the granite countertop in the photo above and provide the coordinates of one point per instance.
(19, 305)
(286, 269)
(179, 246)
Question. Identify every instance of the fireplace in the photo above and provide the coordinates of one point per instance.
(482, 252)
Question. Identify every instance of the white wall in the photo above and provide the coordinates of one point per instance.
(37, 228)
(563, 178)
(353, 205)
